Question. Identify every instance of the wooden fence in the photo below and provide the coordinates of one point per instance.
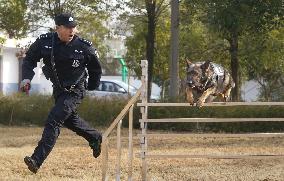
(144, 106)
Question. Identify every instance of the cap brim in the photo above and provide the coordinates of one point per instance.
(71, 25)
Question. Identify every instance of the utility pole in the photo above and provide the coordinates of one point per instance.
(173, 65)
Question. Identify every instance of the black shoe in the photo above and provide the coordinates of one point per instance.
(96, 146)
(31, 163)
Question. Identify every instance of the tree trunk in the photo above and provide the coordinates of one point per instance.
(150, 41)
(174, 68)
(235, 65)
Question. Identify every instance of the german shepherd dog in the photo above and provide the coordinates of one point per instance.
(207, 80)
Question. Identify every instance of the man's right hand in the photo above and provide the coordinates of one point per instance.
(25, 85)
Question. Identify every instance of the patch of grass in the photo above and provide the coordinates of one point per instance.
(71, 158)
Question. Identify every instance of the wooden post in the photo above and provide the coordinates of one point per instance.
(118, 142)
(144, 112)
(130, 149)
(104, 158)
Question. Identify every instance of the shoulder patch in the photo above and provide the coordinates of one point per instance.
(45, 36)
(86, 41)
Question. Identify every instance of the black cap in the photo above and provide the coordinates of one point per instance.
(65, 19)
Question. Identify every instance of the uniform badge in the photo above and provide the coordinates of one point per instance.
(97, 54)
(71, 19)
(78, 51)
(76, 63)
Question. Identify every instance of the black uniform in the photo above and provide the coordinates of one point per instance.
(69, 83)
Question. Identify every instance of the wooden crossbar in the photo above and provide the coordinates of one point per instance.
(209, 120)
(243, 135)
(215, 156)
(213, 104)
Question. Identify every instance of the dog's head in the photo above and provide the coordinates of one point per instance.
(198, 74)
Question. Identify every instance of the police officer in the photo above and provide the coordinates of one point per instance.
(66, 58)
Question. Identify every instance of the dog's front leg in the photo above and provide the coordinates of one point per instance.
(204, 96)
(189, 96)
(227, 94)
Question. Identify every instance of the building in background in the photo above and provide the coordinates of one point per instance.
(11, 58)
(9, 67)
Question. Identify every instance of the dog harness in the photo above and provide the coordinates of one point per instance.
(216, 79)
(219, 76)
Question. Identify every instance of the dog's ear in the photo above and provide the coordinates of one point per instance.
(205, 66)
(188, 63)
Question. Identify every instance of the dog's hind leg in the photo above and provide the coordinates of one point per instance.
(189, 95)
(210, 98)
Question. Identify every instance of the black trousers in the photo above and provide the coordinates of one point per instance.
(63, 114)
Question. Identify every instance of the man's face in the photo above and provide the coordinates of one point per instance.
(66, 34)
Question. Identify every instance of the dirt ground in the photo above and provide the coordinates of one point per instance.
(71, 159)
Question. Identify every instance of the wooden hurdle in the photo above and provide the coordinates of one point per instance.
(144, 105)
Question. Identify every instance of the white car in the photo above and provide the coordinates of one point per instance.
(113, 88)
(116, 88)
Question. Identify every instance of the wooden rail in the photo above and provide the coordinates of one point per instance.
(150, 104)
(216, 135)
(210, 120)
(216, 156)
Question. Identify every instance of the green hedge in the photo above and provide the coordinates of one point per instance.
(20, 109)
(33, 110)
